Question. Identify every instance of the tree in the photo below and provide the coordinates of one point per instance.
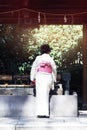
(19, 46)
(66, 43)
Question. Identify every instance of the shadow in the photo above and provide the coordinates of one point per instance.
(16, 106)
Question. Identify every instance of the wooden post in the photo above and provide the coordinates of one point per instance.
(85, 64)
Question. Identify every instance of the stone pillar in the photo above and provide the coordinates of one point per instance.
(85, 63)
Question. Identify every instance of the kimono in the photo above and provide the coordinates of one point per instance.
(43, 71)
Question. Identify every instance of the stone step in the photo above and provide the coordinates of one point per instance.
(59, 123)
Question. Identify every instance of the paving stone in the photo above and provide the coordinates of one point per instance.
(8, 123)
(53, 123)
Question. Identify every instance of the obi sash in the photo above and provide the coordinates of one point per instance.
(45, 67)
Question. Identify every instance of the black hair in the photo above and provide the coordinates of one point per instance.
(45, 48)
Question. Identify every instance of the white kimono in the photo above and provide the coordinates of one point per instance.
(44, 82)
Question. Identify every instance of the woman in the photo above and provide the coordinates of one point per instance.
(43, 72)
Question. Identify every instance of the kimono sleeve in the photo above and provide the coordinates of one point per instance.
(33, 70)
(54, 73)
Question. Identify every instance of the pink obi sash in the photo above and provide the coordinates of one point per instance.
(45, 67)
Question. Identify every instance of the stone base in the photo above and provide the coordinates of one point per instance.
(19, 106)
(64, 105)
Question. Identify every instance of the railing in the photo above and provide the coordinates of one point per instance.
(16, 85)
(6, 77)
(15, 79)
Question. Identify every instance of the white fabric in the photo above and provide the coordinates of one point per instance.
(44, 82)
(38, 60)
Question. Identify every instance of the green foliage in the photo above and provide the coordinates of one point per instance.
(65, 41)
(19, 46)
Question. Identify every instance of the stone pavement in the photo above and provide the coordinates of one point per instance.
(52, 123)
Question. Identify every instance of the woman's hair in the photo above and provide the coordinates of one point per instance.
(45, 48)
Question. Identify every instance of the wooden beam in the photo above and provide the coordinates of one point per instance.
(85, 63)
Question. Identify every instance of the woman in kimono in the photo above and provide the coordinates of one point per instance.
(43, 72)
